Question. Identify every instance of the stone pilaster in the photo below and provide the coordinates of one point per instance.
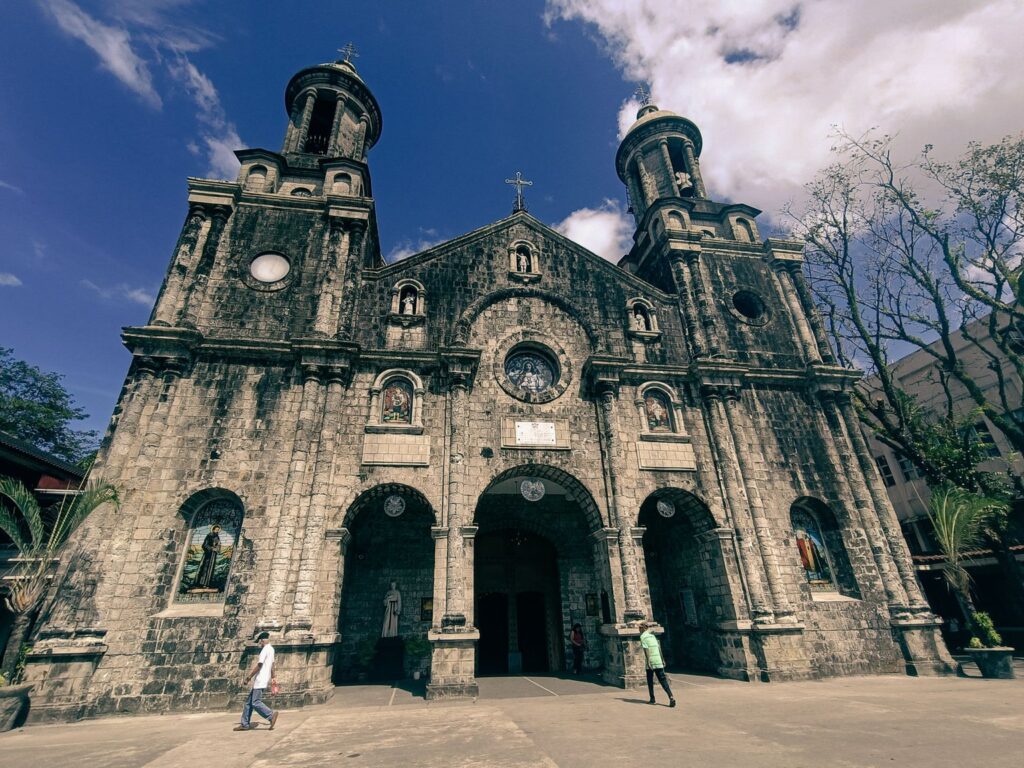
(688, 307)
(747, 553)
(339, 112)
(329, 296)
(792, 301)
(347, 306)
(439, 534)
(796, 274)
(308, 99)
(647, 184)
(669, 172)
(204, 266)
(694, 165)
(743, 440)
(613, 470)
(696, 277)
(458, 507)
(286, 522)
(167, 306)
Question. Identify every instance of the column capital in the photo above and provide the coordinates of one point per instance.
(438, 532)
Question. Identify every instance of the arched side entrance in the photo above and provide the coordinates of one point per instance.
(535, 573)
(689, 591)
(388, 586)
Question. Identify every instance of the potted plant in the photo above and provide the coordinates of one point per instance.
(961, 521)
(417, 648)
(39, 537)
(366, 652)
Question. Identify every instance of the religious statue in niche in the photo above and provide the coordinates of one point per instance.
(211, 544)
(812, 550)
(657, 408)
(396, 405)
(409, 303)
(640, 320)
(392, 610)
(530, 372)
(523, 260)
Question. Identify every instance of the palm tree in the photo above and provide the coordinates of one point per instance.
(962, 520)
(39, 536)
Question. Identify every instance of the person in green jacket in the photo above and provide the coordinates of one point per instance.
(655, 662)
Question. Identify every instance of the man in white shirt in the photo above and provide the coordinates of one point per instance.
(262, 674)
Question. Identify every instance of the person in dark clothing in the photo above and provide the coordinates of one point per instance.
(579, 645)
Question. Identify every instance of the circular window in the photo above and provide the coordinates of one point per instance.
(531, 370)
(749, 305)
(269, 268)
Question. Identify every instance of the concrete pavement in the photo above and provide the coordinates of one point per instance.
(576, 723)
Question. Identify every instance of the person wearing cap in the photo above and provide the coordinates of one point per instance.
(261, 674)
(655, 663)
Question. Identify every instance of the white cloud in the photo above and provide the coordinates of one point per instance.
(9, 280)
(122, 291)
(606, 230)
(767, 81)
(16, 190)
(409, 247)
(112, 44)
(218, 134)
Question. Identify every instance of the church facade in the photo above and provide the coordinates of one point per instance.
(439, 466)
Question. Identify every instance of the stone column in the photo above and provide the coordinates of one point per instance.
(883, 507)
(329, 295)
(796, 311)
(688, 307)
(667, 158)
(739, 428)
(636, 198)
(614, 469)
(291, 136)
(358, 141)
(354, 263)
(457, 517)
(309, 556)
(201, 277)
(749, 557)
(607, 560)
(852, 485)
(695, 276)
(440, 536)
(167, 304)
(339, 113)
(468, 564)
(796, 274)
(287, 522)
(308, 99)
(647, 184)
(694, 165)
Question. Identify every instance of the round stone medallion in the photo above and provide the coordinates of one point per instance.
(394, 506)
(531, 371)
(666, 508)
(532, 490)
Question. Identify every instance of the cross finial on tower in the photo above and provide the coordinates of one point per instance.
(348, 52)
(519, 182)
(643, 95)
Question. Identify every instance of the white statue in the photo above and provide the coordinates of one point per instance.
(683, 180)
(639, 321)
(409, 304)
(392, 610)
(524, 262)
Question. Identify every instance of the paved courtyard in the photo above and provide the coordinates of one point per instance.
(576, 723)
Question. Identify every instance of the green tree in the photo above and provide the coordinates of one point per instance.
(35, 407)
(39, 536)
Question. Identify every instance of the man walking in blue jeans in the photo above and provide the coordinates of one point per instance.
(261, 675)
(655, 663)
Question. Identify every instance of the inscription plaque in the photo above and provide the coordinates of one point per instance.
(535, 433)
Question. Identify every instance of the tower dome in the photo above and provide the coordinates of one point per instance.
(658, 159)
(331, 112)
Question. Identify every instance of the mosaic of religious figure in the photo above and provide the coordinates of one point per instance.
(211, 544)
(530, 372)
(392, 610)
(813, 557)
(396, 402)
(658, 410)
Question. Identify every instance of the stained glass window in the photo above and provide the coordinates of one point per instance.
(531, 371)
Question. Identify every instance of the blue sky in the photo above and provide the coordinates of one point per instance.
(110, 104)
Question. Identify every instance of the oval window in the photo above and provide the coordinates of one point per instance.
(531, 371)
(269, 267)
(749, 305)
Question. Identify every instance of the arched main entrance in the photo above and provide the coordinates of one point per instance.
(389, 544)
(685, 576)
(534, 572)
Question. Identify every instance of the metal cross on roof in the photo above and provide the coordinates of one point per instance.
(519, 182)
(643, 95)
(348, 52)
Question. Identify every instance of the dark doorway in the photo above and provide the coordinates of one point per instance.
(492, 621)
(532, 631)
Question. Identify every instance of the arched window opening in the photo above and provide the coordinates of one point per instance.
(396, 402)
(744, 231)
(209, 550)
(820, 549)
(658, 411)
(256, 180)
(814, 559)
(342, 184)
(319, 136)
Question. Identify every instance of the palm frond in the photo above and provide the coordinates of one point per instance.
(75, 509)
(25, 508)
(960, 520)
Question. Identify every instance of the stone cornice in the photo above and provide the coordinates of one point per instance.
(213, 192)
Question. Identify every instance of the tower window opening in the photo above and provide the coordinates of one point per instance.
(681, 175)
(319, 136)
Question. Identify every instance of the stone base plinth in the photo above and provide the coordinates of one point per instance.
(780, 652)
(453, 664)
(924, 651)
(624, 660)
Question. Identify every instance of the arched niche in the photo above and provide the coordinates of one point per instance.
(408, 299)
(256, 179)
(642, 319)
(212, 524)
(524, 261)
(396, 402)
(819, 549)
